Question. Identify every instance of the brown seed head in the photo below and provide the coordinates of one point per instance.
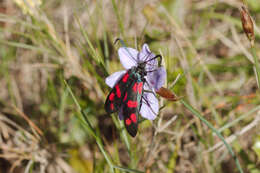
(247, 24)
(167, 94)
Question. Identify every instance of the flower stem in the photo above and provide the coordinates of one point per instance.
(197, 114)
(257, 67)
(86, 124)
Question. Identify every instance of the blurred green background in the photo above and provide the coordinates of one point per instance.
(208, 61)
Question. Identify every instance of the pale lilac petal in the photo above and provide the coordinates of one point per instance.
(150, 106)
(146, 49)
(145, 55)
(113, 78)
(157, 78)
(146, 85)
(128, 57)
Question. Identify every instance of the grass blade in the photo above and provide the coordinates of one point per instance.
(257, 67)
(127, 169)
(197, 114)
(228, 125)
(86, 124)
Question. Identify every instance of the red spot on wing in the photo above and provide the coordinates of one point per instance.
(125, 78)
(128, 121)
(133, 117)
(125, 96)
(132, 104)
(118, 92)
(112, 96)
(140, 87)
(112, 106)
(135, 87)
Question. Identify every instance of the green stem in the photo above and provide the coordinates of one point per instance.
(86, 124)
(257, 67)
(197, 114)
(89, 127)
(120, 23)
(127, 169)
(228, 125)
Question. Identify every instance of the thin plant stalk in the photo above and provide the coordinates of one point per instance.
(120, 22)
(256, 65)
(86, 124)
(197, 114)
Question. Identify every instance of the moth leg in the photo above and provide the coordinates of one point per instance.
(148, 104)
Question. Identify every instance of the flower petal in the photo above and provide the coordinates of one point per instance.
(157, 78)
(113, 78)
(146, 55)
(146, 49)
(128, 57)
(146, 85)
(150, 106)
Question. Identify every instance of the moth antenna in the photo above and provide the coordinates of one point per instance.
(124, 45)
(121, 41)
(157, 56)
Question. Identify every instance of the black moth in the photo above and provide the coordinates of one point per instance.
(127, 94)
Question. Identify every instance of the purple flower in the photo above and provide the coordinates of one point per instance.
(155, 78)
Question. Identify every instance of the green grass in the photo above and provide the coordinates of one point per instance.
(54, 59)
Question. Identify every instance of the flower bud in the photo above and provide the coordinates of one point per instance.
(247, 24)
(167, 94)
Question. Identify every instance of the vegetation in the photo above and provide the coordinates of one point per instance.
(55, 56)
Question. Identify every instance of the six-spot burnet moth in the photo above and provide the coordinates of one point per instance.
(128, 95)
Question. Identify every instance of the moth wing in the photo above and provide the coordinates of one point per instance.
(132, 106)
(116, 95)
